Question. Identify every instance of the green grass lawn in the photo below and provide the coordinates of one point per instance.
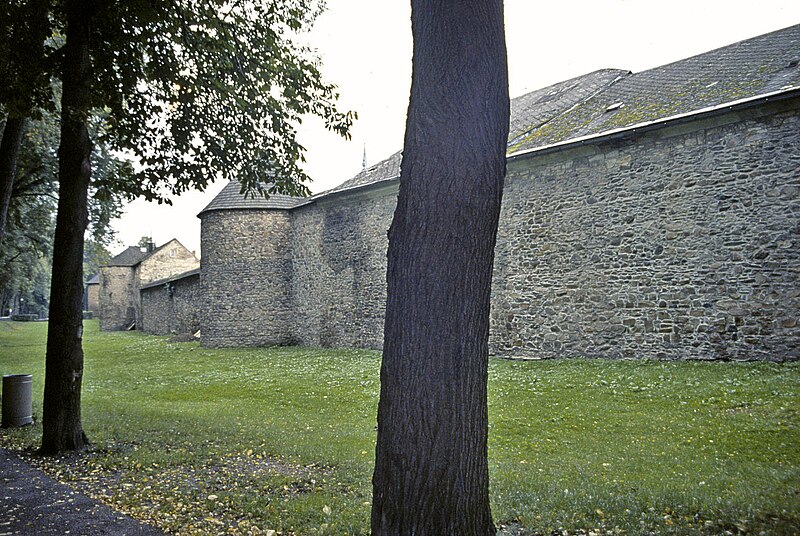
(241, 441)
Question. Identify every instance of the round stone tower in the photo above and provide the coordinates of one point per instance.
(246, 269)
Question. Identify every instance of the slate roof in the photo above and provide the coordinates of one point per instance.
(386, 169)
(527, 112)
(610, 99)
(171, 278)
(537, 108)
(95, 280)
(757, 66)
(230, 198)
(132, 256)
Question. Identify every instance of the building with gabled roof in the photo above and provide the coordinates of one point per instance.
(650, 214)
(125, 274)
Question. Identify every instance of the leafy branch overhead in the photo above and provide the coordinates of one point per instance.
(29, 55)
(200, 90)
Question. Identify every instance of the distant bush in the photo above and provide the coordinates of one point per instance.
(24, 318)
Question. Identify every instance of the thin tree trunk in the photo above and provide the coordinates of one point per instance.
(61, 419)
(13, 131)
(431, 470)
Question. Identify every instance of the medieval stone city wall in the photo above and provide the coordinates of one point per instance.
(680, 243)
(172, 307)
(119, 300)
(246, 278)
(168, 260)
(339, 268)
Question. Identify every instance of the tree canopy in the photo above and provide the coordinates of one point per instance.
(197, 91)
(192, 91)
(29, 56)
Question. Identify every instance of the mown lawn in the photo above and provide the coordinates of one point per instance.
(241, 441)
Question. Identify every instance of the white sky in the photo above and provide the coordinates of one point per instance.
(365, 46)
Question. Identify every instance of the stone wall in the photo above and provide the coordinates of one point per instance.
(173, 307)
(671, 242)
(246, 277)
(339, 260)
(117, 304)
(679, 243)
(170, 259)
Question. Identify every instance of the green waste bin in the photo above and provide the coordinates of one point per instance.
(17, 401)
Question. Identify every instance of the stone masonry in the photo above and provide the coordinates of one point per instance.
(339, 269)
(246, 280)
(649, 215)
(679, 243)
(172, 306)
(116, 297)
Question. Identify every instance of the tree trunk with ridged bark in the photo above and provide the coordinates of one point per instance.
(13, 131)
(61, 418)
(431, 470)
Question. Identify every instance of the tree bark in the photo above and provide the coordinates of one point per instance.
(61, 419)
(431, 469)
(13, 131)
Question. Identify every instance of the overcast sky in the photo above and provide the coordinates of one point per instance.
(365, 46)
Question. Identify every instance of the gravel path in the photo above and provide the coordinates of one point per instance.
(33, 503)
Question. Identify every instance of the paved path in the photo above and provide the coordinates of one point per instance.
(33, 503)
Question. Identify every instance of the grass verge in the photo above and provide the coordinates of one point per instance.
(241, 441)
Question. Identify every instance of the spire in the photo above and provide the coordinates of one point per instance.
(364, 159)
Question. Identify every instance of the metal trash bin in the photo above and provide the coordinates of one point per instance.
(17, 400)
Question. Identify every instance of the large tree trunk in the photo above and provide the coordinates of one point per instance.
(13, 131)
(431, 470)
(61, 417)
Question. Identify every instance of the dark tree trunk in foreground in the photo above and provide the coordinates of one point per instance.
(13, 131)
(61, 417)
(431, 470)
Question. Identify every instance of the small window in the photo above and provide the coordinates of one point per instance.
(173, 252)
